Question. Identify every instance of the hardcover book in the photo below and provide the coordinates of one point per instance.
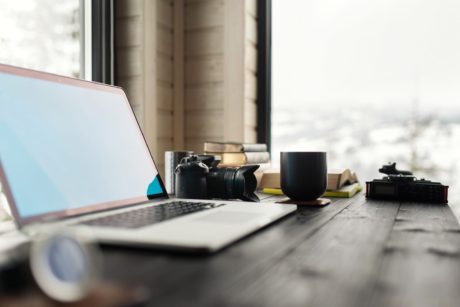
(346, 191)
(231, 147)
(337, 179)
(241, 158)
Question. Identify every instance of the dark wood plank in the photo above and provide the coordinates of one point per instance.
(421, 263)
(202, 280)
(333, 267)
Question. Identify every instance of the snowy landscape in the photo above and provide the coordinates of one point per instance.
(363, 139)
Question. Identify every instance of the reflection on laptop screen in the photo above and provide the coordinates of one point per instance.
(65, 147)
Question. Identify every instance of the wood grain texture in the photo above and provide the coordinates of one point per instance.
(129, 61)
(251, 58)
(178, 86)
(342, 256)
(189, 55)
(233, 267)
(165, 125)
(165, 42)
(234, 71)
(206, 123)
(128, 8)
(133, 89)
(250, 85)
(164, 13)
(351, 253)
(165, 96)
(250, 112)
(209, 41)
(128, 31)
(421, 260)
(150, 74)
(203, 14)
(196, 144)
(208, 96)
(251, 28)
(204, 70)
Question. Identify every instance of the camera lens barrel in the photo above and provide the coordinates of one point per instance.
(232, 183)
(198, 177)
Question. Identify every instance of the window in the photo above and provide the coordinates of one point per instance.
(369, 82)
(43, 34)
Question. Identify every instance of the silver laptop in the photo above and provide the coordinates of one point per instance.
(72, 153)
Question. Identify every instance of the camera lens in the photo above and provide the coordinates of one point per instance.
(233, 183)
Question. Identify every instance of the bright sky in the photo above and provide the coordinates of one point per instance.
(381, 51)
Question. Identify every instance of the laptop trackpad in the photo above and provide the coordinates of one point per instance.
(227, 217)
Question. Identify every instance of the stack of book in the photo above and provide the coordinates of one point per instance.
(237, 154)
(342, 183)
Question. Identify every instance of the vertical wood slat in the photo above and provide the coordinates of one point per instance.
(150, 75)
(178, 74)
(179, 53)
(234, 42)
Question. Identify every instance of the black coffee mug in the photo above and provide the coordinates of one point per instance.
(303, 174)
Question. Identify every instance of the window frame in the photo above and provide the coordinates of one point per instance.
(102, 47)
(264, 71)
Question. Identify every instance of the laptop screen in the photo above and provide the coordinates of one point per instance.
(69, 146)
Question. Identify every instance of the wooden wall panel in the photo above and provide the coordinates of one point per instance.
(139, 113)
(204, 42)
(164, 13)
(164, 80)
(251, 28)
(251, 57)
(165, 69)
(129, 61)
(145, 65)
(204, 70)
(165, 42)
(129, 32)
(205, 97)
(179, 69)
(203, 14)
(250, 85)
(250, 64)
(196, 143)
(128, 8)
(165, 96)
(176, 61)
(250, 112)
(133, 89)
(204, 124)
(165, 124)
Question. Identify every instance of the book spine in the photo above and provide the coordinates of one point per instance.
(273, 191)
(257, 157)
(254, 147)
(213, 147)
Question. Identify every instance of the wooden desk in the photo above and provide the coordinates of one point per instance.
(351, 253)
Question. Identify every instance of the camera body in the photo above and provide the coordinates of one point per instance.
(406, 188)
(199, 177)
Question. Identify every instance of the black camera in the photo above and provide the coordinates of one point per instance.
(199, 177)
(403, 186)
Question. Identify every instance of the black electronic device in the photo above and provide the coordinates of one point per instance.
(399, 185)
(390, 169)
(199, 177)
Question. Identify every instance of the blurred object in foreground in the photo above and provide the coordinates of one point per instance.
(62, 265)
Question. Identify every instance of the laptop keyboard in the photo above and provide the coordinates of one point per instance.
(150, 215)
